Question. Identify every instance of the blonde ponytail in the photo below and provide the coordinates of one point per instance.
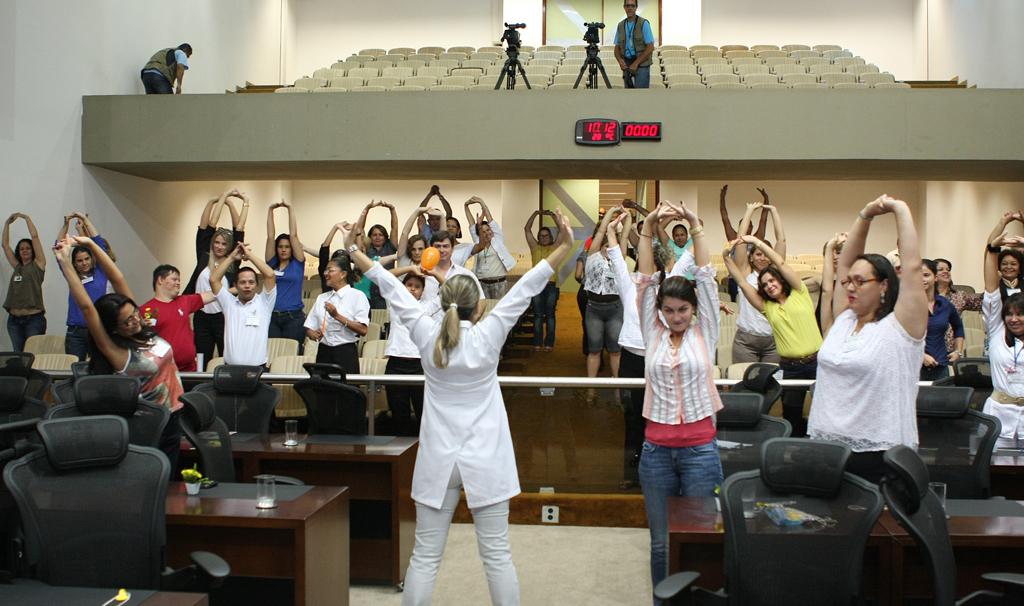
(459, 298)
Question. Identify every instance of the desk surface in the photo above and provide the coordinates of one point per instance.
(202, 510)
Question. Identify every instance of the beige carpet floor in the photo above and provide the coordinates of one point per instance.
(556, 565)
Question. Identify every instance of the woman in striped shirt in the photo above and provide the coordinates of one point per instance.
(679, 322)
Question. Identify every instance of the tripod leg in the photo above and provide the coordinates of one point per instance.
(604, 75)
(580, 77)
(502, 76)
(522, 72)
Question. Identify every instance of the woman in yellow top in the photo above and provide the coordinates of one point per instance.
(784, 300)
(543, 304)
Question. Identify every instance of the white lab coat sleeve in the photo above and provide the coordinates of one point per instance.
(506, 313)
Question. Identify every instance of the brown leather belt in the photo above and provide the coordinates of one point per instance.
(803, 360)
(491, 280)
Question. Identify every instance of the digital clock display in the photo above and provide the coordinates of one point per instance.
(641, 131)
(597, 131)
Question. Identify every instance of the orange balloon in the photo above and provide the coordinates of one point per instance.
(430, 258)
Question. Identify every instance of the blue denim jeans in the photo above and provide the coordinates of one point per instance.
(793, 397)
(288, 325)
(20, 328)
(76, 342)
(666, 472)
(544, 316)
(642, 79)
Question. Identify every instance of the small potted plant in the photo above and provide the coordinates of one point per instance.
(192, 479)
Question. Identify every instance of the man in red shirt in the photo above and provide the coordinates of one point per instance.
(169, 315)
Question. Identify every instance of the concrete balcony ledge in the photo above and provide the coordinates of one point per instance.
(945, 134)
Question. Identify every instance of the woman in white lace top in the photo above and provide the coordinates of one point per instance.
(866, 390)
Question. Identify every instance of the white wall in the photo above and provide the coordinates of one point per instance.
(327, 30)
(59, 50)
(881, 31)
(978, 41)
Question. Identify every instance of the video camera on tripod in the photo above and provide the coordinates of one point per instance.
(592, 66)
(511, 35)
(591, 36)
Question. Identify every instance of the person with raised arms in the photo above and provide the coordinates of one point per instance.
(465, 440)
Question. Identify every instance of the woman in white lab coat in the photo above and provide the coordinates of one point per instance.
(464, 436)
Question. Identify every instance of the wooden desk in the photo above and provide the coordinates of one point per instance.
(306, 539)
(696, 542)
(378, 473)
(980, 545)
(38, 593)
(1007, 473)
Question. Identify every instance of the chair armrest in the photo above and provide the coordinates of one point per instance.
(1012, 581)
(211, 564)
(675, 584)
(289, 480)
(944, 382)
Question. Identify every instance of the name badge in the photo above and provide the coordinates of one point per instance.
(160, 348)
(88, 279)
(17, 278)
(152, 322)
(252, 321)
(278, 273)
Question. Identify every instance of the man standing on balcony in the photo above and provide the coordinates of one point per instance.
(167, 67)
(634, 46)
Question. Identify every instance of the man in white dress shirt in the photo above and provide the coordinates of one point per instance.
(247, 314)
(493, 260)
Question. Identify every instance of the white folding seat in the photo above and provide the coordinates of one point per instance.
(825, 68)
(407, 88)
(687, 86)
(832, 55)
(700, 53)
(832, 78)
(744, 70)
(671, 79)
(330, 89)
(813, 61)
(726, 85)
(789, 68)
(291, 89)
(437, 71)
(348, 82)
(679, 68)
(310, 83)
(465, 50)
(766, 85)
(397, 72)
(446, 87)
(849, 85)
(821, 48)
(489, 57)
(384, 82)
(800, 54)
(463, 81)
(792, 79)
(402, 50)
(749, 79)
(712, 61)
(892, 85)
(430, 50)
(364, 72)
(757, 48)
(737, 54)
(422, 80)
(368, 89)
(704, 47)
(876, 79)
(715, 69)
(809, 85)
(459, 57)
(795, 47)
(710, 79)
(847, 61)
(857, 70)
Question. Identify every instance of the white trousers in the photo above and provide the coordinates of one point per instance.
(432, 526)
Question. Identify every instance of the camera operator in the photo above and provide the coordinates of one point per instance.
(634, 45)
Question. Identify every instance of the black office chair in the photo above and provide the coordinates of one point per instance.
(92, 507)
(332, 406)
(116, 395)
(955, 441)
(15, 405)
(15, 364)
(210, 436)
(64, 391)
(17, 438)
(769, 564)
(975, 373)
(760, 378)
(918, 510)
(245, 404)
(742, 429)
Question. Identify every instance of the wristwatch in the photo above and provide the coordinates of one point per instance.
(994, 249)
(353, 248)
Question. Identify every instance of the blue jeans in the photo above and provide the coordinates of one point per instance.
(288, 325)
(666, 472)
(642, 79)
(76, 342)
(20, 328)
(793, 397)
(544, 315)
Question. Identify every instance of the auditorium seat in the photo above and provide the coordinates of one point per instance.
(369, 89)
(291, 89)
(686, 85)
(835, 78)
(825, 68)
(679, 68)
(811, 84)
(53, 361)
(408, 88)
(675, 54)
(497, 50)
(485, 56)
(45, 344)
(746, 61)
(795, 47)
(310, 83)
(844, 61)
(422, 80)
(386, 83)
(364, 60)
(846, 85)
(752, 79)
(729, 48)
(348, 82)
(875, 79)
(446, 88)
(551, 48)
(463, 81)
(747, 70)
(704, 47)
(437, 71)
(671, 79)
(892, 85)
(397, 72)
(374, 52)
(422, 57)
(402, 50)
(809, 61)
(465, 50)
(457, 57)
(717, 70)
(673, 48)
(713, 79)
(774, 62)
(789, 68)
(364, 72)
(832, 55)
(768, 50)
(430, 50)
(736, 54)
(862, 69)
(798, 78)
(326, 89)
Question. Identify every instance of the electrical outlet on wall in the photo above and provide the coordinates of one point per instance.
(549, 514)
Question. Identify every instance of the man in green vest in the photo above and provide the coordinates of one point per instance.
(634, 45)
(166, 67)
